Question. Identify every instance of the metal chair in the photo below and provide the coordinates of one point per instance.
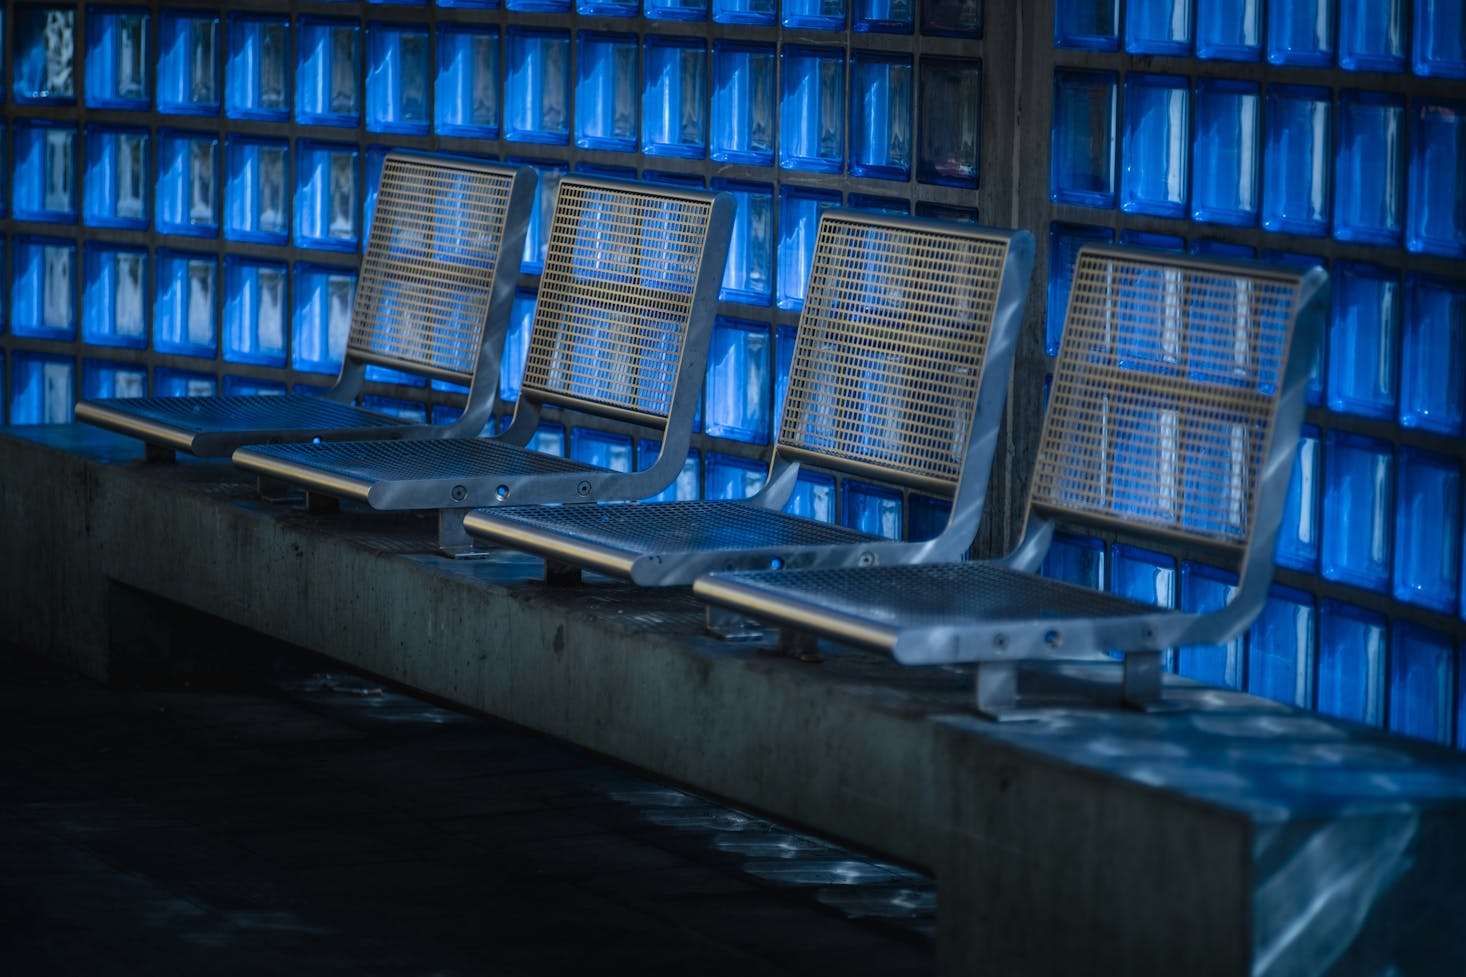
(899, 375)
(432, 299)
(1172, 421)
(620, 332)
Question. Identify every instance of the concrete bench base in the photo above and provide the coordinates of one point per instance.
(1235, 837)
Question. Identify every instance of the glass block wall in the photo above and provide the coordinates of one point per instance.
(189, 188)
(1312, 132)
(192, 184)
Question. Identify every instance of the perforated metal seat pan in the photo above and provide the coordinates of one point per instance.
(212, 427)
(424, 474)
(668, 543)
(949, 612)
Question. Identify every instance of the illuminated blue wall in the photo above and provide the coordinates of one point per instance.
(190, 190)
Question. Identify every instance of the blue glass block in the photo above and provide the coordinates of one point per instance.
(1149, 239)
(43, 288)
(1076, 559)
(674, 102)
(685, 486)
(951, 18)
(439, 414)
(115, 190)
(410, 411)
(758, 12)
(1420, 683)
(537, 86)
(1298, 531)
(326, 195)
(1369, 168)
(1439, 43)
(168, 382)
(812, 110)
(1314, 390)
(820, 15)
(946, 212)
(1433, 355)
(188, 179)
(739, 383)
(926, 517)
(328, 72)
(235, 386)
(1158, 26)
(741, 128)
(322, 317)
(1205, 588)
(188, 63)
(257, 74)
(1301, 32)
(185, 304)
(880, 116)
(728, 477)
(1281, 648)
(1226, 153)
(1065, 240)
(629, 173)
(1295, 191)
(1358, 510)
(397, 79)
(947, 142)
(539, 6)
(785, 339)
(878, 205)
(45, 54)
(1351, 660)
(607, 8)
(601, 449)
(257, 190)
(1092, 25)
(516, 345)
(1142, 575)
(1372, 36)
(4, 188)
(813, 497)
(1228, 30)
(665, 178)
(1428, 530)
(254, 311)
(884, 16)
(114, 301)
(799, 218)
(41, 389)
(1222, 249)
(118, 58)
(103, 378)
(548, 439)
(376, 156)
(45, 171)
(675, 10)
(1157, 139)
(383, 374)
(1435, 220)
(1083, 157)
(1363, 339)
(4, 401)
(537, 233)
(466, 96)
(871, 509)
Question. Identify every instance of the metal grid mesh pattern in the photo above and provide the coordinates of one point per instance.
(424, 288)
(388, 461)
(616, 295)
(1164, 393)
(891, 344)
(700, 525)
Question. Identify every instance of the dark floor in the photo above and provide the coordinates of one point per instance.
(318, 824)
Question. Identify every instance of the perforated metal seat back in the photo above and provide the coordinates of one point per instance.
(891, 344)
(1165, 394)
(624, 267)
(426, 280)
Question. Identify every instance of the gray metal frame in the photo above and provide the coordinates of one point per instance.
(911, 320)
(997, 613)
(646, 258)
(433, 300)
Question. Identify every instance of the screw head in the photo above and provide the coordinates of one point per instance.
(501, 493)
(459, 493)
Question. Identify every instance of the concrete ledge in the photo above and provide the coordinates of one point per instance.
(1237, 837)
